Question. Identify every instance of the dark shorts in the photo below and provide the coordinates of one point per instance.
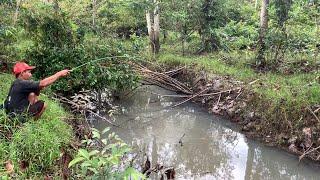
(36, 108)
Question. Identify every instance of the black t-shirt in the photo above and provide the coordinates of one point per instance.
(17, 100)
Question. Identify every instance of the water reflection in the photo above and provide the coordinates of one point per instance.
(210, 149)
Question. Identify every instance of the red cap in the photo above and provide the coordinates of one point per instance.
(19, 67)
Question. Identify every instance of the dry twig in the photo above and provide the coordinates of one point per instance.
(308, 152)
(193, 96)
(314, 114)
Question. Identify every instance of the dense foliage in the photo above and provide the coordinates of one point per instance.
(189, 26)
(55, 42)
(61, 44)
(107, 161)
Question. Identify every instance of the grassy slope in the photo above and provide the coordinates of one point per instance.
(281, 100)
(275, 86)
(38, 142)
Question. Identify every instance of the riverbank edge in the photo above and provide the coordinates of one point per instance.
(257, 117)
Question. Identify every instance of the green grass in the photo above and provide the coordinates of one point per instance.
(39, 142)
(282, 101)
(300, 87)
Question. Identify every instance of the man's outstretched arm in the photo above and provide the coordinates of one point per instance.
(51, 79)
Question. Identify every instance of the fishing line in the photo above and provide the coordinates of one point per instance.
(96, 60)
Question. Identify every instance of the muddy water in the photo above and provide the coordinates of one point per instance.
(209, 147)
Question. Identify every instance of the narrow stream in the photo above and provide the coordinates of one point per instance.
(211, 147)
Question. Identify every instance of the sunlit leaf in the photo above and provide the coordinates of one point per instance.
(95, 134)
(75, 161)
(105, 130)
(84, 153)
(94, 152)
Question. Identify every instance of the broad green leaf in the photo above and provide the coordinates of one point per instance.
(131, 173)
(93, 170)
(114, 160)
(86, 164)
(94, 152)
(4, 177)
(75, 161)
(104, 141)
(95, 134)
(105, 130)
(95, 163)
(84, 153)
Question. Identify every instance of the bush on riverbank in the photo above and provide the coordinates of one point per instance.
(104, 158)
(35, 146)
(101, 61)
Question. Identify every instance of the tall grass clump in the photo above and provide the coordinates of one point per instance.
(39, 144)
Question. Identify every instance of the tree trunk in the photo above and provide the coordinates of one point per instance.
(264, 18)
(150, 30)
(94, 12)
(153, 25)
(15, 16)
(261, 61)
(156, 27)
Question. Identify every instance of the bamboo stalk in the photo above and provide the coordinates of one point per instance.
(193, 96)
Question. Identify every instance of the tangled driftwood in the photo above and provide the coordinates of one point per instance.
(163, 80)
(166, 81)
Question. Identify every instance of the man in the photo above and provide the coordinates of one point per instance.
(23, 94)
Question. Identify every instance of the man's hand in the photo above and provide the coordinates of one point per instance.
(63, 73)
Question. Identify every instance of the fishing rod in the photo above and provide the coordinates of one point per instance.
(96, 60)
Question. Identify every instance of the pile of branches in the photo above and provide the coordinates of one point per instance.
(162, 79)
(166, 81)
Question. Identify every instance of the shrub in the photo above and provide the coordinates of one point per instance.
(60, 44)
(238, 35)
(106, 162)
